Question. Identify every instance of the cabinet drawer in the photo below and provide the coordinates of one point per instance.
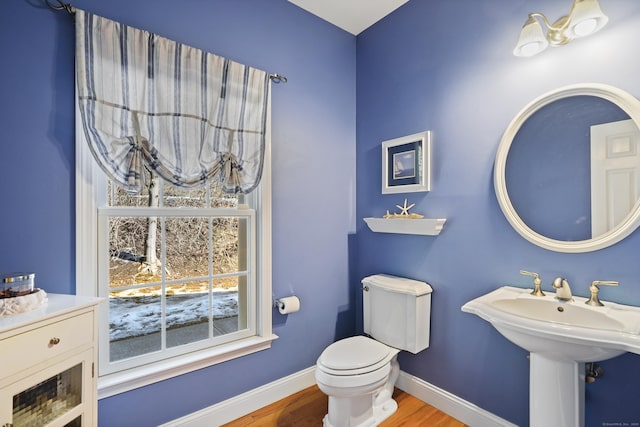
(30, 348)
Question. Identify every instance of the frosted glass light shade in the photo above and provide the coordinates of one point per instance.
(532, 39)
(586, 18)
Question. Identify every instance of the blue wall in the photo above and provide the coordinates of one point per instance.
(446, 66)
(313, 171)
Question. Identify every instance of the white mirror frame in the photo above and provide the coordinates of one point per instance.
(622, 99)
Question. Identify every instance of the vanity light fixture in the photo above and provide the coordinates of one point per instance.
(584, 18)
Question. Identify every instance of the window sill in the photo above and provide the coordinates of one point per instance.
(120, 382)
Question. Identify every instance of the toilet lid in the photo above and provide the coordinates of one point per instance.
(354, 353)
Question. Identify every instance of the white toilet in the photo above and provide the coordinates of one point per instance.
(359, 373)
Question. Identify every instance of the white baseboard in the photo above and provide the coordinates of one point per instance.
(252, 400)
(448, 403)
(248, 402)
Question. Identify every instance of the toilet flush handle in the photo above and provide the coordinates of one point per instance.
(365, 288)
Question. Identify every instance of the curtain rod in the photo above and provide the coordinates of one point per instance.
(274, 77)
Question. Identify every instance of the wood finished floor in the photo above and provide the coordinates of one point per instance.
(308, 407)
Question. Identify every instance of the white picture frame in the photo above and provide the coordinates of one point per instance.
(406, 164)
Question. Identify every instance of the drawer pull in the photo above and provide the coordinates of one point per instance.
(54, 341)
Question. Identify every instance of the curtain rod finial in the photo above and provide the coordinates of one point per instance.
(61, 6)
(277, 78)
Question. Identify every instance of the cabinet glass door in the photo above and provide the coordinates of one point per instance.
(46, 401)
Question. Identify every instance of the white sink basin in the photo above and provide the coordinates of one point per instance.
(561, 337)
(552, 310)
(561, 330)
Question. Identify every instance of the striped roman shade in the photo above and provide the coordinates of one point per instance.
(186, 114)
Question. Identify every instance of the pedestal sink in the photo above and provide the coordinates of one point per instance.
(561, 337)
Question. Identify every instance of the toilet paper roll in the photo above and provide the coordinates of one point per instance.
(288, 305)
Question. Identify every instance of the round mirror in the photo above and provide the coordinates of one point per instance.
(567, 170)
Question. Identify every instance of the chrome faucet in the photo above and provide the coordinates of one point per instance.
(563, 290)
(593, 299)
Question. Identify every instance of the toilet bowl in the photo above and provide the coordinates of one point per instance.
(358, 374)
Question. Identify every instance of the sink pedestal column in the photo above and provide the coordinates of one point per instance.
(556, 392)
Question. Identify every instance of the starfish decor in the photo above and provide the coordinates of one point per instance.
(405, 209)
(404, 212)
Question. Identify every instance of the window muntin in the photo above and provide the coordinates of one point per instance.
(199, 289)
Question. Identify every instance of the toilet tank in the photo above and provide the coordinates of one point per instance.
(397, 311)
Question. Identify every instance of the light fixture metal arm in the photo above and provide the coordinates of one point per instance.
(560, 25)
(557, 34)
(535, 15)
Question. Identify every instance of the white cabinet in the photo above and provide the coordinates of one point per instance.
(47, 360)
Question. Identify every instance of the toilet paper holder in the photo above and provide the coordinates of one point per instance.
(286, 305)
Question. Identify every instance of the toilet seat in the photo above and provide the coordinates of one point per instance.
(355, 356)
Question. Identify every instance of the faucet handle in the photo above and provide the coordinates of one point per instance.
(537, 291)
(593, 288)
(604, 282)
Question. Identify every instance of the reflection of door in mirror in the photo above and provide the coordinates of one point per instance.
(548, 169)
(615, 173)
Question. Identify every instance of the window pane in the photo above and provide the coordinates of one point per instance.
(184, 197)
(135, 318)
(229, 247)
(187, 313)
(225, 306)
(220, 199)
(128, 239)
(187, 251)
(118, 197)
(197, 197)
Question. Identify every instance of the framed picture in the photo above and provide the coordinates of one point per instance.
(406, 164)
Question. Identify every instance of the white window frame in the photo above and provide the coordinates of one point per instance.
(91, 190)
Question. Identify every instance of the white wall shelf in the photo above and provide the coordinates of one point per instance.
(425, 226)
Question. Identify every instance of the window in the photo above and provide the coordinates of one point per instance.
(185, 274)
(179, 275)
